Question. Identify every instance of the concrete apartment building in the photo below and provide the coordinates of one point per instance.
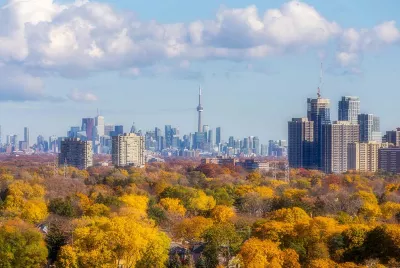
(301, 143)
(76, 153)
(389, 159)
(128, 150)
(363, 156)
(336, 138)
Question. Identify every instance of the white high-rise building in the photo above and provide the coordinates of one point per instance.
(99, 123)
(128, 150)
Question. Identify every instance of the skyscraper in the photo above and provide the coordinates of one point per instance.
(169, 135)
(300, 143)
(87, 126)
(369, 128)
(318, 111)
(119, 130)
(349, 109)
(199, 110)
(108, 129)
(218, 135)
(99, 123)
(376, 129)
(256, 145)
(128, 150)
(133, 128)
(76, 153)
(336, 138)
(210, 138)
(26, 136)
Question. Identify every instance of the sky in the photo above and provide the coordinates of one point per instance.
(143, 61)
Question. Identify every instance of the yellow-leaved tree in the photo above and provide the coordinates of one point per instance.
(192, 229)
(257, 253)
(202, 202)
(173, 206)
(135, 205)
(110, 242)
(26, 201)
(222, 213)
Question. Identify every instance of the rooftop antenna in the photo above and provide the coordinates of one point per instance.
(320, 82)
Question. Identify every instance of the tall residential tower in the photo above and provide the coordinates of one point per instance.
(349, 109)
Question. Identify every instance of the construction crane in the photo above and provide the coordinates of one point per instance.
(320, 82)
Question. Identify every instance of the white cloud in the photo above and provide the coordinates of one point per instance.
(16, 85)
(355, 42)
(78, 38)
(80, 96)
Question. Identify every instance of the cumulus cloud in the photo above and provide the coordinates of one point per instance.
(354, 42)
(80, 96)
(77, 38)
(16, 85)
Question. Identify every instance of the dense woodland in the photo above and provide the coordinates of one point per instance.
(222, 216)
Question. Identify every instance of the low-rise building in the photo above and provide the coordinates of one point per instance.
(222, 161)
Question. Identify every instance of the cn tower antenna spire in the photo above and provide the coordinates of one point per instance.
(199, 110)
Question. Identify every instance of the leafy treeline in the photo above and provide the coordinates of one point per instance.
(223, 216)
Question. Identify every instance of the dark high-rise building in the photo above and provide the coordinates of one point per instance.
(336, 139)
(76, 153)
(300, 143)
(218, 135)
(318, 111)
(26, 137)
(393, 137)
(119, 130)
(88, 126)
(169, 134)
(349, 109)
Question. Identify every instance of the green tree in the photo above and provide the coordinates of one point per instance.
(21, 245)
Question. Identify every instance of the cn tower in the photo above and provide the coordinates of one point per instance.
(199, 109)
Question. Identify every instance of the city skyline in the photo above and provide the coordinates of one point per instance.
(250, 86)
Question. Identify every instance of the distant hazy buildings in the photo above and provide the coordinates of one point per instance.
(349, 109)
(128, 150)
(26, 136)
(76, 153)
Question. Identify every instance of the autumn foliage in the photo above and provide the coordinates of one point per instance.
(182, 214)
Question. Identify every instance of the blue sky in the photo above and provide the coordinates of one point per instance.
(143, 61)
